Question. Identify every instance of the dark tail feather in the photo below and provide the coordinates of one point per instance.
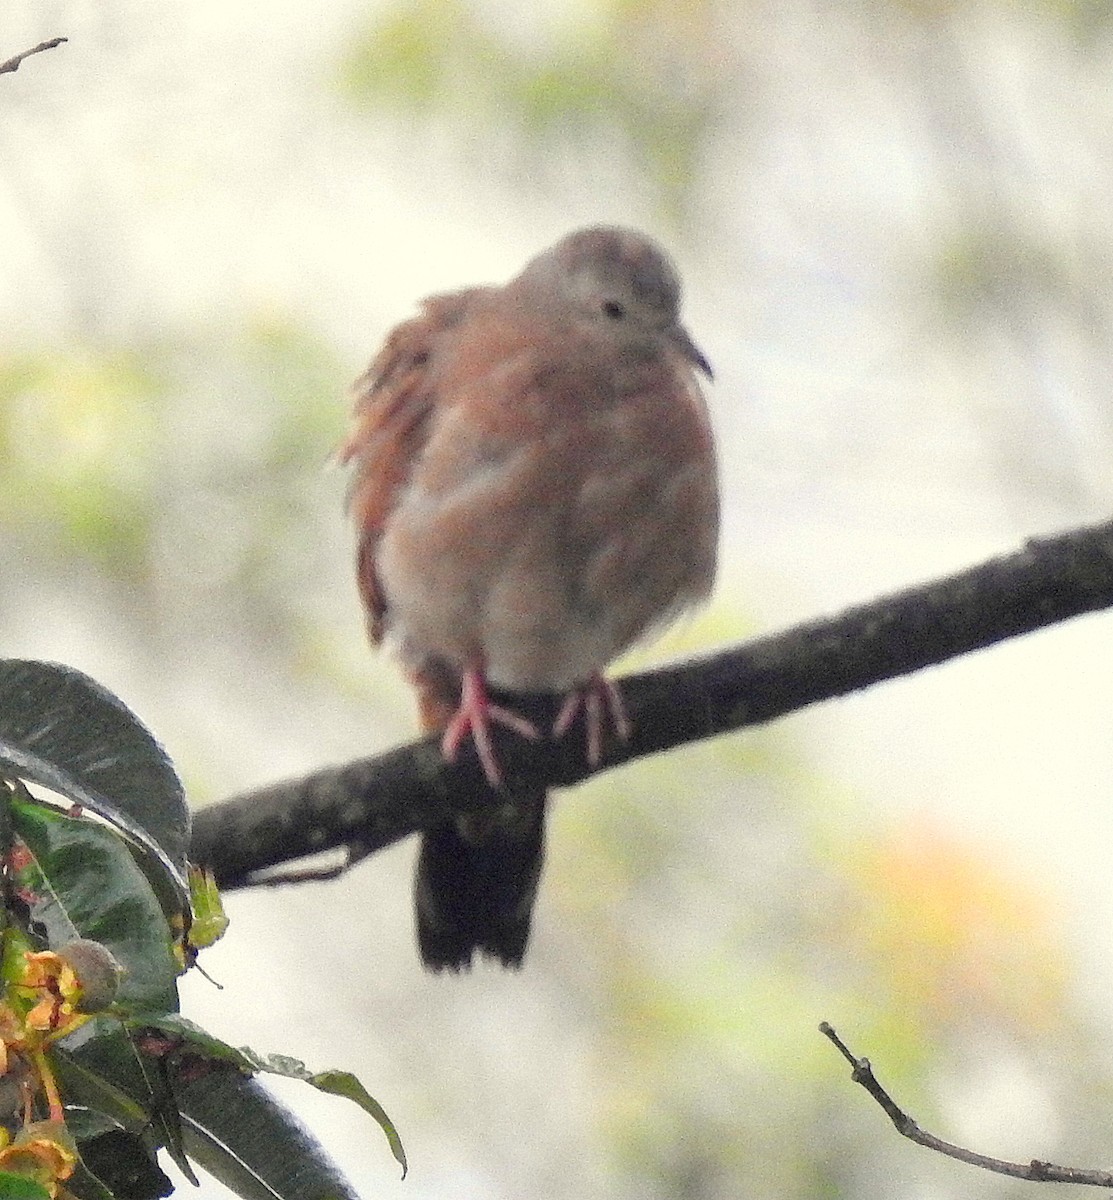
(476, 883)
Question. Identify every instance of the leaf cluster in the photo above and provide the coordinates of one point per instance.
(100, 1074)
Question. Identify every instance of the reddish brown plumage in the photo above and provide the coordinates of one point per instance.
(534, 489)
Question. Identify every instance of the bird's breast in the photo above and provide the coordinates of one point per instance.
(546, 526)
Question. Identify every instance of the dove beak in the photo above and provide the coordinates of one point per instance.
(682, 340)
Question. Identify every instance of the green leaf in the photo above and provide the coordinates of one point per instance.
(61, 729)
(86, 1123)
(335, 1083)
(101, 1068)
(126, 1099)
(118, 1164)
(344, 1083)
(19, 1187)
(188, 1034)
(83, 882)
(115, 1162)
(253, 1144)
(210, 922)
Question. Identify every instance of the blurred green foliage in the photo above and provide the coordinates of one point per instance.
(724, 899)
(105, 446)
(77, 435)
(642, 77)
(722, 921)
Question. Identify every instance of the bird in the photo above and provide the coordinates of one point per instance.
(534, 489)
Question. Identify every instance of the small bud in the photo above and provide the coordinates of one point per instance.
(97, 972)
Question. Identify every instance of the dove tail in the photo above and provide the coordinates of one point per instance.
(477, 874)
(475, 888)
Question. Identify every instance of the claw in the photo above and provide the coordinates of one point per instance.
(591, 697)
(474, 717)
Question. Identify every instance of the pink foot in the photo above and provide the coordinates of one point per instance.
(591, 697)
(474, 717)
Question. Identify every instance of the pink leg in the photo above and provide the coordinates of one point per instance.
(474, 717)
(591, 697)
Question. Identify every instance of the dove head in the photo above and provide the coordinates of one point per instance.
(620, 281)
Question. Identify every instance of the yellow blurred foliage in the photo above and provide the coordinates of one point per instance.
(952, 932)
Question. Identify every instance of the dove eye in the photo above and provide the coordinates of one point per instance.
(614, 310)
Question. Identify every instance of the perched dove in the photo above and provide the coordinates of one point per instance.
(534, 490)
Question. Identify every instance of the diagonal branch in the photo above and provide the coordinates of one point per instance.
(1035, 1170)
(367, 804)
(12, 64)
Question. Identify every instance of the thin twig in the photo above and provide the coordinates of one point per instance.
(1036, 1171)
(12, 64)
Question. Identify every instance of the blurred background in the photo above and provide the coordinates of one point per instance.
(893, 222)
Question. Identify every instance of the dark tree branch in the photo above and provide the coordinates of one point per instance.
(1036, 1170)
(365, 805)
(12, 64)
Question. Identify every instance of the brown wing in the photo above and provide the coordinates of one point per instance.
(394, 401)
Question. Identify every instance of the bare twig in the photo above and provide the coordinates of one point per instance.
(12, 64)
(372, 802)
(1036, 1171)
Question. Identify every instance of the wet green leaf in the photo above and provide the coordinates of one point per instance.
(244, 1059)
(61, 729)
(101, 1067)
(83, 883)
(253, 1144)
